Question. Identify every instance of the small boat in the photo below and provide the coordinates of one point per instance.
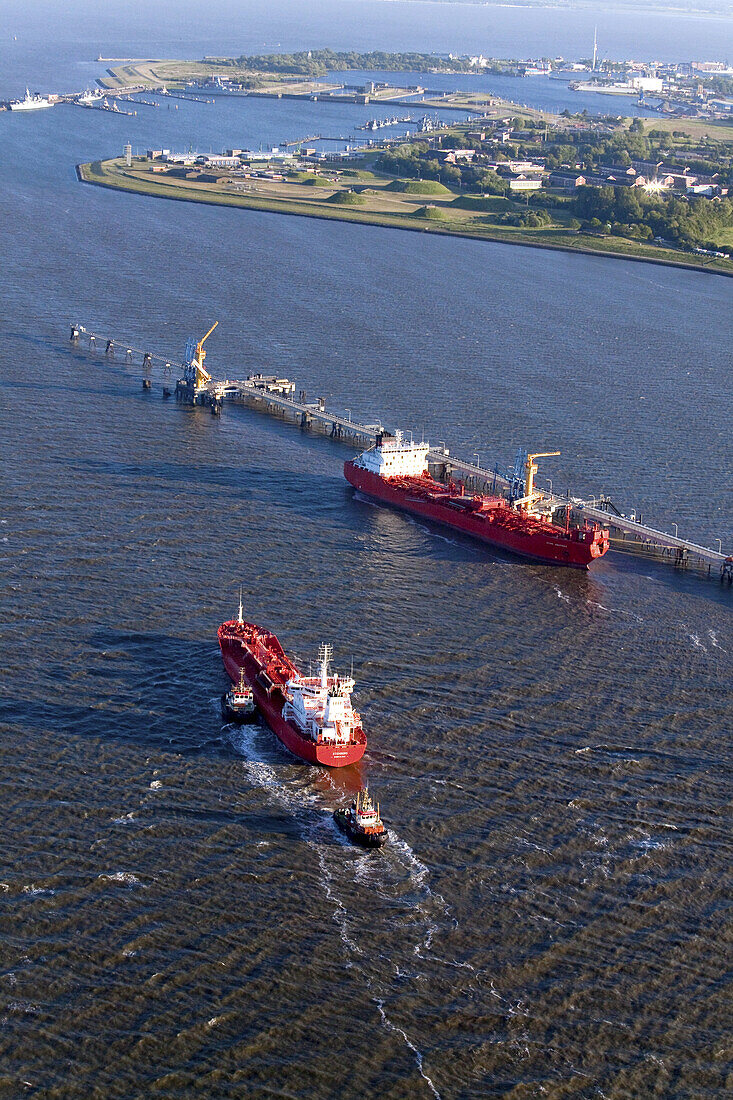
(361, 821)
(237, 704)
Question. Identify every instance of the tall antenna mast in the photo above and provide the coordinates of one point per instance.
(595, 47)
(325, 655)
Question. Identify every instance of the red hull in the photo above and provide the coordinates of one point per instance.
(267, 679)
(491, 521)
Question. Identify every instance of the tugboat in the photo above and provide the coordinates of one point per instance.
(238, 704)
(361, 822)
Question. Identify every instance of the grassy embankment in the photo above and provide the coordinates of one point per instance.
(378, 203)
(151, 73)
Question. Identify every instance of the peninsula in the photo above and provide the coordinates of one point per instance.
(357, 195)
(646, 189)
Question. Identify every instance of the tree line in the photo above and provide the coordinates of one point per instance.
(630, 212)
(314, 63)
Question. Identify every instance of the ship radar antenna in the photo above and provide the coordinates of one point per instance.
(240, 616)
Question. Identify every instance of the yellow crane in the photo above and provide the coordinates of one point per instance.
(530, 469)
(202, 376)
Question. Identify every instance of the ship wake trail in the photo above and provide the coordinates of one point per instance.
(418, 1056)
(397, 874)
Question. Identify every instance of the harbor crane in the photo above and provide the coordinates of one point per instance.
(194, 372)
(530, 493)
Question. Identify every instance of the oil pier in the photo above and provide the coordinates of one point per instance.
(268, 394)
(275, 396)
(633, 537)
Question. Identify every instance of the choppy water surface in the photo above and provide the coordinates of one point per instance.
(178, 914)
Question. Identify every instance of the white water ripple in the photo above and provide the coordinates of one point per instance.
(398, 853)
(418, 1055)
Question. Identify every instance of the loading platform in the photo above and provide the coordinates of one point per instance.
(275, 396)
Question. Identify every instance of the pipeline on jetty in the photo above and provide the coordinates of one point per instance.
(275, 396)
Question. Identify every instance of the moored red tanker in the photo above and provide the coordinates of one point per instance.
(396, 473)
(311, 715)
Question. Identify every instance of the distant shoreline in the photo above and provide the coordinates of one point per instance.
(261, 204)
(580, 5)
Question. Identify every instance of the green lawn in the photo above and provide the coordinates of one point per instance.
(388, 209)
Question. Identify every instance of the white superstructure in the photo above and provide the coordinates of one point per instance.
(320, 706)
(89, 97)
(366, 814)
(30, 103)
(395, 457)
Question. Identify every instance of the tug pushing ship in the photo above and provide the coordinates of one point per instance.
(311, 715)
(396, 472)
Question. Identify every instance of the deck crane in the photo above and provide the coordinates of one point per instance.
(526, 502)
(194, 372)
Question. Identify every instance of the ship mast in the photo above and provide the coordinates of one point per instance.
(240, 616)
(326, 655)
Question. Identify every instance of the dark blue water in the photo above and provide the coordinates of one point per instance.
(178, 915)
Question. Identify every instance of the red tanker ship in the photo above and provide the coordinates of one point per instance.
(311, 715)
(396, 473)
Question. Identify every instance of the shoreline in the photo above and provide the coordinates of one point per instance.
(383, 221)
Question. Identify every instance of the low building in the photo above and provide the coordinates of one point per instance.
(221, 161)
(620, 175)
(522, 183)
(708, 190)
(451, 156)
(647, 83)
(527, 167)
(270, 383)
(566, 179)
(615, 181)
(648, 168)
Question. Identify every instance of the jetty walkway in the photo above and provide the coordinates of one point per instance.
(275, 396)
